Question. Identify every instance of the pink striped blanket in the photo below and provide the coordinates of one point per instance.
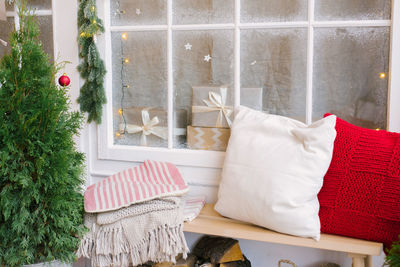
(145, 182)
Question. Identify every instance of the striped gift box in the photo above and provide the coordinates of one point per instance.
(208, 138)
(145, 182)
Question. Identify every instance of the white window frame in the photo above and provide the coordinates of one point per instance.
(213, 159)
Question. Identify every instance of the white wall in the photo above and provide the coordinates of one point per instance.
(202, 181)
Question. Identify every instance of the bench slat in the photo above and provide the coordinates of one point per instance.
(211, 223)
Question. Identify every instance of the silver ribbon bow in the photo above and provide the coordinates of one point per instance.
(149, 127)
(217, 102)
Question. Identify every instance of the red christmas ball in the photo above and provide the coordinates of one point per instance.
(64, 80)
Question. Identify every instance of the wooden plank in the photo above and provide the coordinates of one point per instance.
(211, 223)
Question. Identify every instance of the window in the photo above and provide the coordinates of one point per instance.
(293, 58)
(43, 11)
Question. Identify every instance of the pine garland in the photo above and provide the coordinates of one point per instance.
(393, 257)
(92, 69)
(41, 172)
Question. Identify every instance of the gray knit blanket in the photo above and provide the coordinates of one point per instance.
(142, 232)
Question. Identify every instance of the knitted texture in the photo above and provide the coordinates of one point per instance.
(361, 193)
(147, 231)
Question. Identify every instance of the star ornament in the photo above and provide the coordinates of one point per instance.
(207, 58)
(188, 46)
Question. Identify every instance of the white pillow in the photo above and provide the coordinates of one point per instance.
(273, 171)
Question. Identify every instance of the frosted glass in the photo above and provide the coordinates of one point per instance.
(138, 12)
(35, 4)
(348, 63)
(204, 11)
(46, 34)
(276, 60)
(145, 73)
(273, 10)
(40, 4)
(191, 68)
(5, 29)
(352, 9)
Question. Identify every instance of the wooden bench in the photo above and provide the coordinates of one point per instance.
(211, 223)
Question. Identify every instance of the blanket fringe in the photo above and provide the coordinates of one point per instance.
(111, 247)
(86, 248)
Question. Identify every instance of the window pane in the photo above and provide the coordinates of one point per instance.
(35, 4)
(5, 29)
(204, 11)
(350, 74)
(40, 4)
(201, 59)
(276, 60)
(138, 12)
(273, 10)
(46, 34)
(139, 70)
(352, 9)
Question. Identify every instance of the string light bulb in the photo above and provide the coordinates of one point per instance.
(120, 111)
(94, 21)
(382, 75)
(83, 34)
(117, 134)
(124, 36)
(377, 129)
(93, 8)
(119, 12)
(126, 60)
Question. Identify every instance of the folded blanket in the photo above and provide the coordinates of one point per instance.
(148, 181)
(135, 216)
(147, 231)
(192, 207)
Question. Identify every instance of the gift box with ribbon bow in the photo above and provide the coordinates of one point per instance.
(146, 126)
(212, 106)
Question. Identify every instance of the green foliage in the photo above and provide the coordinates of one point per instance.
(92, 95)
(393, 256)
(41, 173)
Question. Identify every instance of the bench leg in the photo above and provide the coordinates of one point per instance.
(358, 260)
(368, 261)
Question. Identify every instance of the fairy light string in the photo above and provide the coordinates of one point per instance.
(124, 60)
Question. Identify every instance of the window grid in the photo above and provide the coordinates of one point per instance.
(205, 158)
(265, 25)
(42, 12)
(310, 61)
(170, 79)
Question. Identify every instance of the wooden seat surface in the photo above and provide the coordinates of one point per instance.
(212, 223)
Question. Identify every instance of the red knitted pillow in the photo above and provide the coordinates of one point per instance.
(361, 193)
